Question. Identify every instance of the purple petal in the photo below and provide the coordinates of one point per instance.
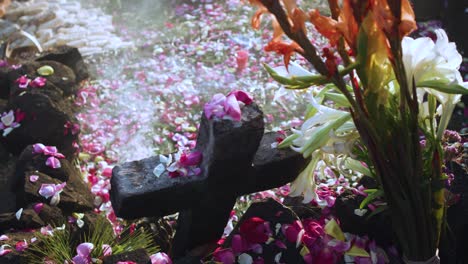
(339, 246)
(80, 260)
(33, 178)
(47, 190)
(237, 244)
(160, 258)
(232, 108)
(38, 207)
(106, 250)
(53, 162)
(224, 256)
(242, 96)
(215, 106)
(38, 148)
(280, 244)
(84, 249)
(191, 159)
(50, 150)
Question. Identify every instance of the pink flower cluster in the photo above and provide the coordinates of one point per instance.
(23, 82)
(252, 234)
(227, 106)
(10, 121)
(51, 151)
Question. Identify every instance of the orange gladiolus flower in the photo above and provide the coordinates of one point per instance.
(325, 26)
(285, 49)
(386, 20)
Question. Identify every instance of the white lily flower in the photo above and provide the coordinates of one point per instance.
(426, 61)
(305, 182)
(315, 132)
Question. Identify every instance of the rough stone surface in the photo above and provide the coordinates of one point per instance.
(139, 256)
(74, 198)
(63, 80)
(4, 84)
(28, 161)
(44, 123)
(275, 213)
(7, 173)
(376, 227)
(69, 56)
(300, 209)
(28, 219)
(50, 214)
(15, 257)
(8, 202)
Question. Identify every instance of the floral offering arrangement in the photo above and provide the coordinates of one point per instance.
(383, 111)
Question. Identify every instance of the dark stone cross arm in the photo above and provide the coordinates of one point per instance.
(238, 159)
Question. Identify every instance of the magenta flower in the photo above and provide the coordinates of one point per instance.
(191, 159)
(53, 162)
(38, 82)
(215, 107)
(83, 253)
(160, 258)
(38, 148)
(242, 96)
(221, 106)
(232, 108)
(255, 230)
(23, 82)
(33, 178)
(51, 151)
(21, 245)
(293, 232)
(48, 190)
(225, 256)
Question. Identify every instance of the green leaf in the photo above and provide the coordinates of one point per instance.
(443, 86)
(287, 142)
(357, 166)
(378, 210)
(320, 137)
(339, 99)
(371, 197)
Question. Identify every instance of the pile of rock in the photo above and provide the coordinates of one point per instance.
(62, 22)
(38, 143)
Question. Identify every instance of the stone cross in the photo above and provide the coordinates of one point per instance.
(238, 159)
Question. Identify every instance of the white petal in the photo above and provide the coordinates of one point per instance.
(18, 214)
(8, 119)
(159, 170)
(245, 259)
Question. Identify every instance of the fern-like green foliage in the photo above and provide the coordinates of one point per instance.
(62, 245)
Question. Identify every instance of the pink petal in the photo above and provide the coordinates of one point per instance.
(160, 258)
(21, 246)
(84, 249)
(224, 256)
(242, 96)
(126, 262)
(47, 190)
(237, 244)
(53, 162)
(38, 148)
(280, 244)
(215, 107)
(80, 260)
(50, 150)
(38, 207)
(4, 251)
(232, 108)
(38, 82)
(4, 238)
(106, 250)
(191, 159)
(33, 178)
